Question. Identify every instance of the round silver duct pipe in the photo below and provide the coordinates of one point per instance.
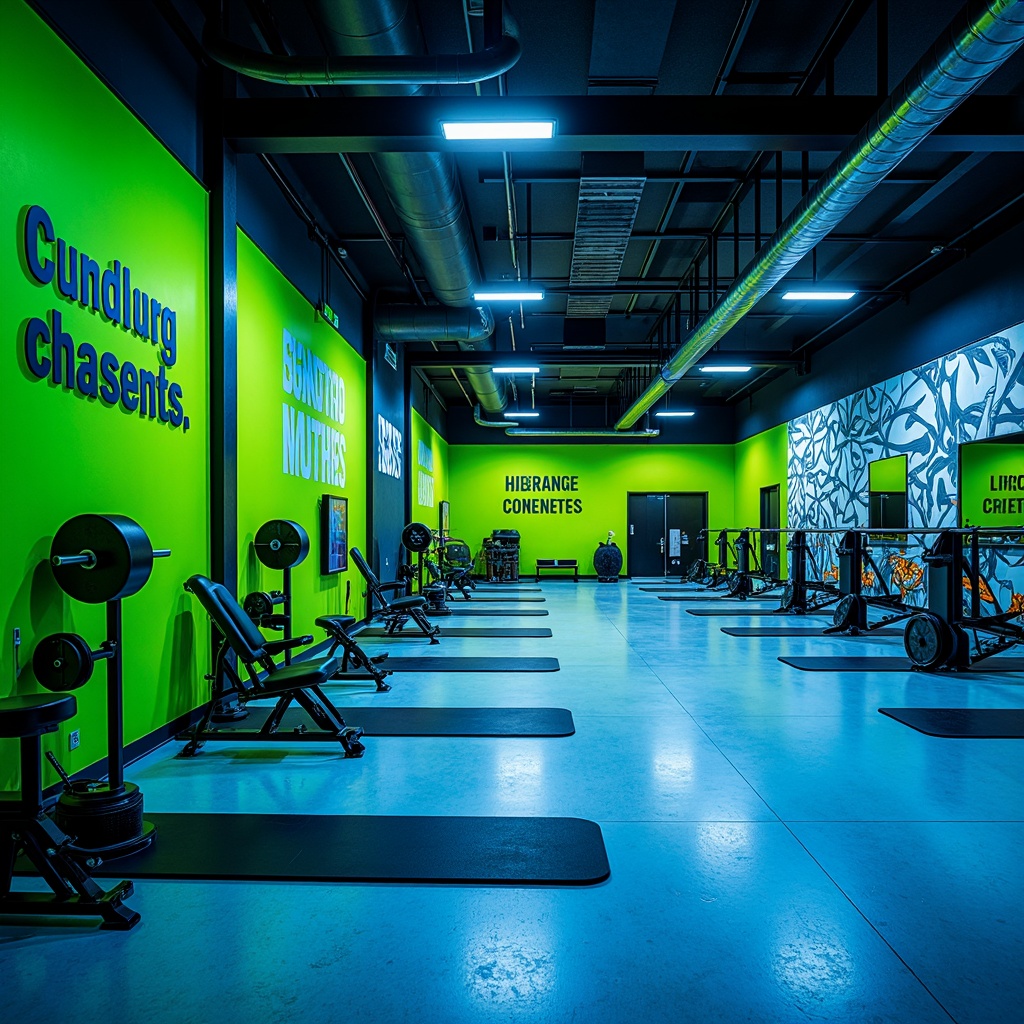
(979, 40)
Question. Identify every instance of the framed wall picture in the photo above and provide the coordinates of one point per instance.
(333, 534)
(442, 516)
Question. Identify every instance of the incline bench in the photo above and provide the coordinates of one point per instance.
(545, 564)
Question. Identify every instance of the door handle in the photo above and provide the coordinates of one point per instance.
(631, 529)
(661, 544)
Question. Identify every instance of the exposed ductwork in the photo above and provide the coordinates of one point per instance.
(380, 68)
(979, 40)
(398, 322)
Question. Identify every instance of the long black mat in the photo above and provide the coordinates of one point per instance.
(963, 723)
(699, 597)
(670, 590)
(810, 631)
(467, 609)
(296, 725)
(491, 631)
(369, 848)
(441, 664)
(784, 616)
(997, 664)
(511, 598)
(498, 588)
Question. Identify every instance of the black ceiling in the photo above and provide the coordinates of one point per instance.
(728, 109)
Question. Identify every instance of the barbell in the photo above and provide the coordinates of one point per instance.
(98, 558)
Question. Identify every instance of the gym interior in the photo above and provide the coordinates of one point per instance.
(562, 570)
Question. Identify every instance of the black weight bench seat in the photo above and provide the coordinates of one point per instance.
(300, 682)
(34, 714)
(24, 827)
(337, 628)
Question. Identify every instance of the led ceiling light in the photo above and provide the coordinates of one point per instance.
(497, 296)
(818, 296)
(520, 415)
(673, 412)
(724, 369)
(515, 369)
(460, 130)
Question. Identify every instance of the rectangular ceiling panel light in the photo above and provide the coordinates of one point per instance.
(724, 369)
(515, 369)
(497, 296)
(460, 130)
(521, 415)
(818, 296)
(668, 412)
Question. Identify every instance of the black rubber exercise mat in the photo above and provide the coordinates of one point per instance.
(442, 664)
(784, 616)
(678, 589)
(367, 848)
(808, 631)
(963, 723)
(497, 588)
(384, 721)
(466, 608)
(882, 664)
(716, 598)
(511, 598)
(490, 631)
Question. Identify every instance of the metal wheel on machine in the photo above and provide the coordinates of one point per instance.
(928, 640)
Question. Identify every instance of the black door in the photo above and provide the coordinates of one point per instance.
(687, 515)
(662, 532)
(771, 543)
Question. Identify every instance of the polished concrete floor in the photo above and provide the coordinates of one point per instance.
(780, 851)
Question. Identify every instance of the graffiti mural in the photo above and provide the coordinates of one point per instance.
(926, 413)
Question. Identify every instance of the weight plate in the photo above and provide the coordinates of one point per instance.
(788, 597)
(417, 537)
(928, 640)
(258, 604)
(123, 557)
(281, 544)
(62, 662)
(845, 613)
(734, 582)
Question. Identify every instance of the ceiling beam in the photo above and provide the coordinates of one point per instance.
(371, 124)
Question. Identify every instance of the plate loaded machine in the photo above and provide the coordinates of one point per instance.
(417, 539)
(806, 590)
(937, 639)
(454, 557)
(284, 544)
(712, 575)
(279, 544)
(855, 561)
(501, 556)
(748, 579)
(98, 559)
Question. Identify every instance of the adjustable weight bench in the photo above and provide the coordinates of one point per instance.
(397, 611)
(299, 682)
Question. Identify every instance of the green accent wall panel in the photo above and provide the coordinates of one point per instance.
(992, 484)
(428, 476)
(301, 434)
(103, 388)
(575, 494)
(760, 462)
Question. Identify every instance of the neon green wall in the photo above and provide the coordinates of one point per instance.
(760, 462)
(268, 307)
(112, 191)
(888, 475)
(428, 471)
(985, 499)
(606, 474)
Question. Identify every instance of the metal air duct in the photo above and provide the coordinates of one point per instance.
(423, 187)
(979, 40)
(582, 432)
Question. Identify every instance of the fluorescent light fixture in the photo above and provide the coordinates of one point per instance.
(818, 296)
(724, 369)
(515, 369)
(513, 296)
(673, 412)
(521, 415)
(459, 130)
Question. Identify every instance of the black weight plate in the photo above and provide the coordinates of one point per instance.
(259, 604)
(927, 640)
(62, 662)
(417, 537)
(788, 597)
(123, 553)
(845, 610)
(281, 544)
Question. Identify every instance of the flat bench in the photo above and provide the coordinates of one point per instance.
(548, 564)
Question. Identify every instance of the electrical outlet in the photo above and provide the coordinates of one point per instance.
(74, 738)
